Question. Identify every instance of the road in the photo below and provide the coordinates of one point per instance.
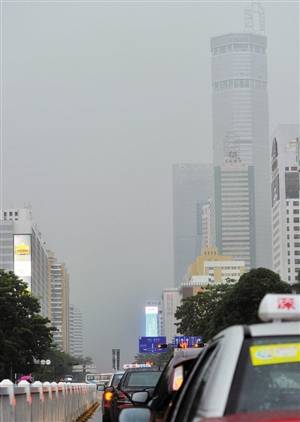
(97, 416)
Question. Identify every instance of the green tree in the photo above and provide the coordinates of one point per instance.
(24, 334)
(196, 312)
(240, 304)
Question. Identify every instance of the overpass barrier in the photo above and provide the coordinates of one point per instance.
(45, 402)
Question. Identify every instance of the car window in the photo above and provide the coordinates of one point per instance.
(189, 399)
(116, 379)
(142, 379)
(268, 376)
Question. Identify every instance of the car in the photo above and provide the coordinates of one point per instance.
(108, 394)
(246, 373)
(134, 380)
(171, 381)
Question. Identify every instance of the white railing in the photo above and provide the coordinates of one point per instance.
(45, 402)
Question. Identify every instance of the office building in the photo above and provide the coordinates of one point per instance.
(285, 202)
(170, 301)
(192, 187)
(23, 251)
(234, 210)
(75, 332)
(240, 113)
(59, 301)
(210, 268)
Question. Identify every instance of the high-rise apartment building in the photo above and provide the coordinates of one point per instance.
(170, 302)
(192, 187)
(234, 210)
(285, 202)
(75, 332)
(59, 301)
(23, 251)
(240, 113)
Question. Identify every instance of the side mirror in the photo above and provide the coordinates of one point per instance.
(136, 414)
(140, 397)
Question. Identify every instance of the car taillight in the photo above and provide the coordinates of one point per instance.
(108, 395)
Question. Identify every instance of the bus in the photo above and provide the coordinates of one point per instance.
(103, 378)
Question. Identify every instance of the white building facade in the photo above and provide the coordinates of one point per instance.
(75, 332)
(235, 210)
(23, 251)
(170, 301)
(285, 202)
(59, 302)
(208, 224)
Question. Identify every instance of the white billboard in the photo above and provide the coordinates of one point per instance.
(22, 257)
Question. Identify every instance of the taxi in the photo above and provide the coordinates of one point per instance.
(248, 373)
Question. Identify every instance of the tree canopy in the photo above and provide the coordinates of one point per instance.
(223, 305)
(240, 305)
(24, 334)
(196, 312)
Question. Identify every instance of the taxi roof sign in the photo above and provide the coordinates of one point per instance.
(279, 307)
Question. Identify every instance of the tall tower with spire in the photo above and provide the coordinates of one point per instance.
(240, 106)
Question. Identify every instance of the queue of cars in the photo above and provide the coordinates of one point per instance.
(244, 374)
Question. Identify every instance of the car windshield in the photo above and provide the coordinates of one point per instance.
(142, 379)
(268, 376)
(116, 379)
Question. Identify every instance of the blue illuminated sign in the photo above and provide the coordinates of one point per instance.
(149, 344)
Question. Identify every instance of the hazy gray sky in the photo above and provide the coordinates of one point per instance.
(100, 98)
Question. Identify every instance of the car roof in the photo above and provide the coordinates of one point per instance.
(187, 354)
(150, 369)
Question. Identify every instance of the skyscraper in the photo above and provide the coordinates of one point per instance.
(234, 210)
(22, 250)
(285, 202)
(240, 112)
(170, 302)
(75, 332)
(192, 187)
(59, 301)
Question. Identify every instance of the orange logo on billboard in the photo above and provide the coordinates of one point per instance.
(22, 249)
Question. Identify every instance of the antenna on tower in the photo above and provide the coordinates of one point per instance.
(254, 18)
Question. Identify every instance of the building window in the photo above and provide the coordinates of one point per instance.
(10, 213)
(296, 228)
(296, 211)
(287, 220)
(288, 244)
(287, 168)
(296, 203)
(289, 278)
(296, 220)
(289, 270)
(16, 213)
(287, 211)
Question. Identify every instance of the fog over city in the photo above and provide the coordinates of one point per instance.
(100, 99)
